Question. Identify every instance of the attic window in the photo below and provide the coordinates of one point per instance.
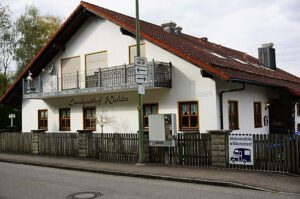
(238, 60)
(216, 54)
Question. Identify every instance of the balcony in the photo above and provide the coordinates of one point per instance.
(102, 80)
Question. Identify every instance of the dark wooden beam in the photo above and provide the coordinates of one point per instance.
(126, 32)
(59, 46)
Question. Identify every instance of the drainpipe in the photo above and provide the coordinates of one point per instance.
(221, 101)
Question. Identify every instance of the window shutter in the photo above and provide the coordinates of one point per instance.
(70, 65)
(96, 61)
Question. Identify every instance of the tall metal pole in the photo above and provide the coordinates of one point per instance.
(140, 105)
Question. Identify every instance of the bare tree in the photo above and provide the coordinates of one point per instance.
(7, 39)
(103, 119)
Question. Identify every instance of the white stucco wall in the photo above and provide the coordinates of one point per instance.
(99, 35)
(246, 99)
(187, 85)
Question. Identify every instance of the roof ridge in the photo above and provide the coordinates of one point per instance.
(210, 45)
(186, 46)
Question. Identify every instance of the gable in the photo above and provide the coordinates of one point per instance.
(236, 66)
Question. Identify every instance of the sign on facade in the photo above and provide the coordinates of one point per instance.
(141, 70)
(241, 149)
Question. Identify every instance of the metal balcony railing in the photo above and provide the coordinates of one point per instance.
(102, 80)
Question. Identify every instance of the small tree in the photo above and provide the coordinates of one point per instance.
(7, 43)
(103, 119)
(33, 31)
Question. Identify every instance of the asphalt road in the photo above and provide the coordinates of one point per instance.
(32, 182)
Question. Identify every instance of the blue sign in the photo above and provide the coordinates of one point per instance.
(241, 149)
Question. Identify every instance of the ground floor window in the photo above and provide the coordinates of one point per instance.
(233, 115)
(298, 127)
(257, 115)
(89, 118)
(43, 119)
(188, 116)
(149, 109)
(64, 119)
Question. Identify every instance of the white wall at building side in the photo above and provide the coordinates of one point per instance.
(99, 35)
(246, 99)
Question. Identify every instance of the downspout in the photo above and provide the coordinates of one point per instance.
(221, 101)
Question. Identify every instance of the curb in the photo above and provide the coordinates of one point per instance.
(147, 176)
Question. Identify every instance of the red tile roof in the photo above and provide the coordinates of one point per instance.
(220, 61)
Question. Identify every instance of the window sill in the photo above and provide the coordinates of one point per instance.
(89, 129)
(189, 130)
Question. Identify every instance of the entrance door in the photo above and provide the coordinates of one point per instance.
(279, 117)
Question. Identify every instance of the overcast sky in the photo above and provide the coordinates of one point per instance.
(239, 24)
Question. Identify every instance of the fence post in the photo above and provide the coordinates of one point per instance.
(83, 140)
(77, 79)
(57, 82)
(125, 74)
(146, 148)
(218, 147)
(35, 142)
(99, 77)
(1, 150)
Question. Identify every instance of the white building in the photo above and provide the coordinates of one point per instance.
(84, 79)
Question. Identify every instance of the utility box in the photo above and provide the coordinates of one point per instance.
(162, 130)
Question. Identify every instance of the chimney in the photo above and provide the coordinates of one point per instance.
(204, 38)
(266, 56)
(169, 27)
(178, 30)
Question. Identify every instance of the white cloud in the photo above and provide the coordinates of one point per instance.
(239, 24)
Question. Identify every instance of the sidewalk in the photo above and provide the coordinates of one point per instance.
(211, 176)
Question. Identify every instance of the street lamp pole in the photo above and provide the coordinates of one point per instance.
(140, 105)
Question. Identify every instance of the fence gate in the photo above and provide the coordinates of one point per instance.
(114, 147)
(192, 149)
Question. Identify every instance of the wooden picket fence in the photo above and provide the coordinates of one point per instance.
(15, 142)
(192, 149)
(58, 144)
(274, 152)
(114, 147)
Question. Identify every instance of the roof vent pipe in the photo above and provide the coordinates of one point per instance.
(266, 56)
